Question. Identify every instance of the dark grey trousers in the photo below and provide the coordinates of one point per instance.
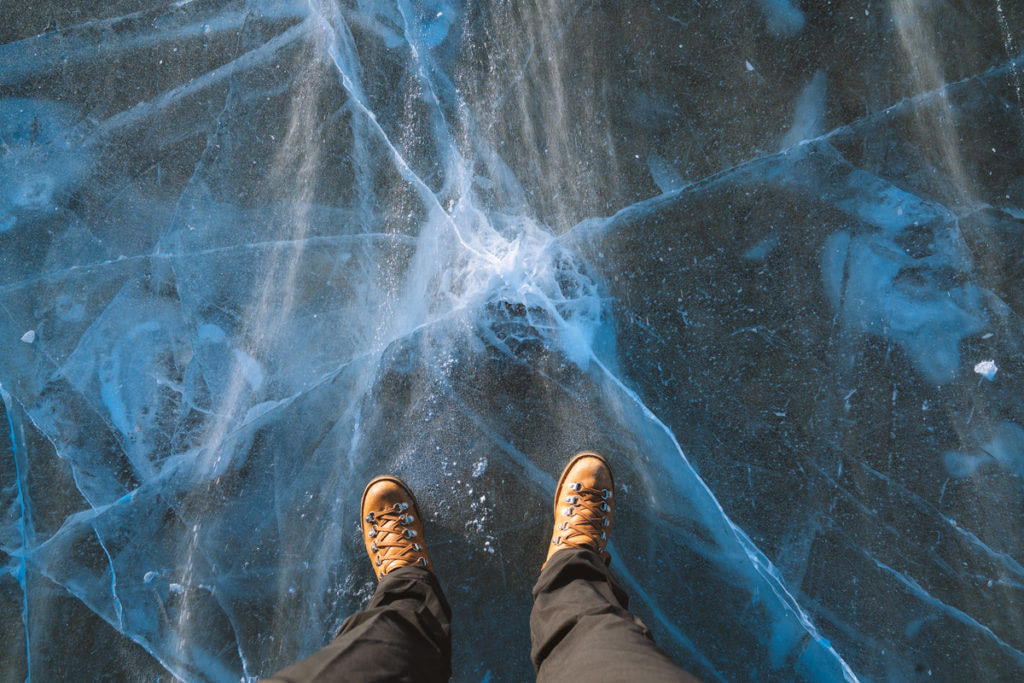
(580, 627)
(404, 634)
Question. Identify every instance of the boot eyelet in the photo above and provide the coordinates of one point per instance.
(378, 561)
(572, 500)
(605, 521)
(422, 562)
(416, 546)
(409, 533)
(606, 494)
(563, 526)
(372, 533)
(369, 518)
(605, 507)
(373, 547)
(568, 512)
(576, 486)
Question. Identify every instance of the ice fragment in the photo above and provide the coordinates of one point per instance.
(987, 369)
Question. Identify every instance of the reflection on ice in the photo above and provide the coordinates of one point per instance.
(256, 254)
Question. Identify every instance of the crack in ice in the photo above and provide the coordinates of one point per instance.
(923, 595)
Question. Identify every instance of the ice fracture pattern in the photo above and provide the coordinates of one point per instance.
(766, 255)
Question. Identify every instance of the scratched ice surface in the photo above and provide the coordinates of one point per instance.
(766, 255)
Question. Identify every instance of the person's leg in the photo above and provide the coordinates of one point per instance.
(580, 620)
(404, 634)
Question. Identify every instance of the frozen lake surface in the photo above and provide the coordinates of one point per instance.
(767, 256)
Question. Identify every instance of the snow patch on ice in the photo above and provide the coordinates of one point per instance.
(479, 468)
(809, 117)
(211, 333)
(782, 18)
(760, 251)
(1004, 449)
(880, 287)
(39, 159)
(251, 369)
(665, 176)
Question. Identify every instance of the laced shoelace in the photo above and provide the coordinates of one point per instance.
(392, 543)
(587, 512)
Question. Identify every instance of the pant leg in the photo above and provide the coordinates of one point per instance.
(404, 634)
(580, 626)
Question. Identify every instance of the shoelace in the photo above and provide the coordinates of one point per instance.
(587, 510)
(389, 529)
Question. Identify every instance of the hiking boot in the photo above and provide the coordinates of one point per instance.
(391, 524)
(584, 508)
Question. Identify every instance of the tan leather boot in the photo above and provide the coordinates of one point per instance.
(392, 529)
(584, 507)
